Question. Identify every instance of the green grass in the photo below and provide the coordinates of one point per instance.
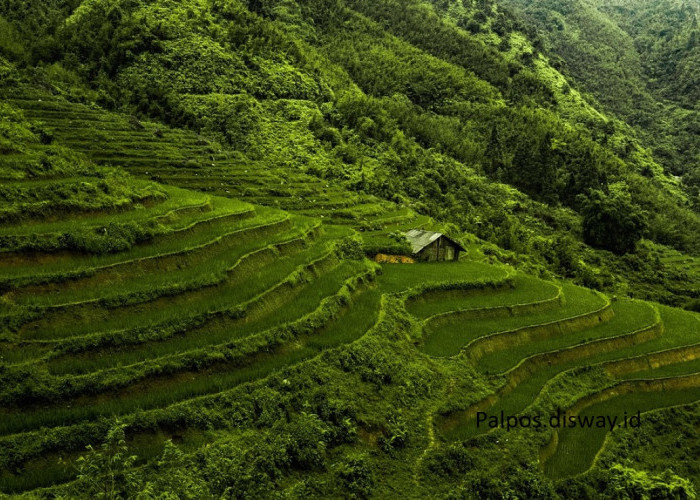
(449, 339)
(360, 317)
(59, 467)
(81, 201)
(525, 290)
(348, 327)
(177, 199)
(355, 321)
(630, 316)
(111, 138)
(12, 354)
(398, 277)
(674, 370)
(195, 228)
(302, 302)
(296, 303)
(681, 328)
(180, 269)
(223, 297)
(352, 323)
(173, 246)
(178, 297)
(399, 215)
(419, 221)
(36, 190)
(578, 447)
(155, 393)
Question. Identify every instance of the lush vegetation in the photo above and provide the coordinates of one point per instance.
(190, 196)
(639, 59)
(438, 118)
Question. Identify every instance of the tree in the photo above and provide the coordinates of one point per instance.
(108, 473)
(611, 221)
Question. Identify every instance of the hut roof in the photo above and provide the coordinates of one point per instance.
(420, 239)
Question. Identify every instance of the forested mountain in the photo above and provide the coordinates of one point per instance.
(190, 193)
(639, 59)
(434, 104)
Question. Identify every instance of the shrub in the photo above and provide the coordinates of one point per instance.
(395, 434)
(355, 475)
(175, 476)
(692, 305)
(305, 440)
(350, 247)
(452, 460)
(626, 482)
(111, 238)
(611, 221)
(108, 471)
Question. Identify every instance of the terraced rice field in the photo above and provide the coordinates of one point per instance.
(185, 159)
(221, 292)
(534, 357)
(578, 447)
(687, 264)
(234, 273)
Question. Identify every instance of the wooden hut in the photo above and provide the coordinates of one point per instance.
(431, 246)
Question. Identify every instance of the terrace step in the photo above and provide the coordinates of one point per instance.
(621, 400)
(582, 309)
(174, 203)
(156, 290)
(525, 296)
(394, 280)
(40, 206)
(212, 304)
(97, 285)
(169, 155)
(526, 369)
(303, 325)
(179, 225)
(151, 392)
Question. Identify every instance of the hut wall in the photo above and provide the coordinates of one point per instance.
(439, 250)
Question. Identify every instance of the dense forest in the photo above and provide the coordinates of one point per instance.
(638, 59)
(559, 140)
(445, 119)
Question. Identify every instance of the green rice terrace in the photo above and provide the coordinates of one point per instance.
(149, 274)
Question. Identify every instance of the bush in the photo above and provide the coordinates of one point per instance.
(626, 482)
(350, 247)
(112, 238)
(108, 472)
(355, 475)
(395, 434)
(692, 305)
(450, 461)
(305, 439)
(611, 221)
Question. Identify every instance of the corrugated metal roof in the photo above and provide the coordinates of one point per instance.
(420, 239)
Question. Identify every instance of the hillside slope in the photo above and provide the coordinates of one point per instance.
(266, 347)
(446, 105)
(189, 194)
(639, 59)
(176, 345)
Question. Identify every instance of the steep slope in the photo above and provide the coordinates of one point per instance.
(436, 118)
(639, 59)
(242, 332)
(189, 190)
